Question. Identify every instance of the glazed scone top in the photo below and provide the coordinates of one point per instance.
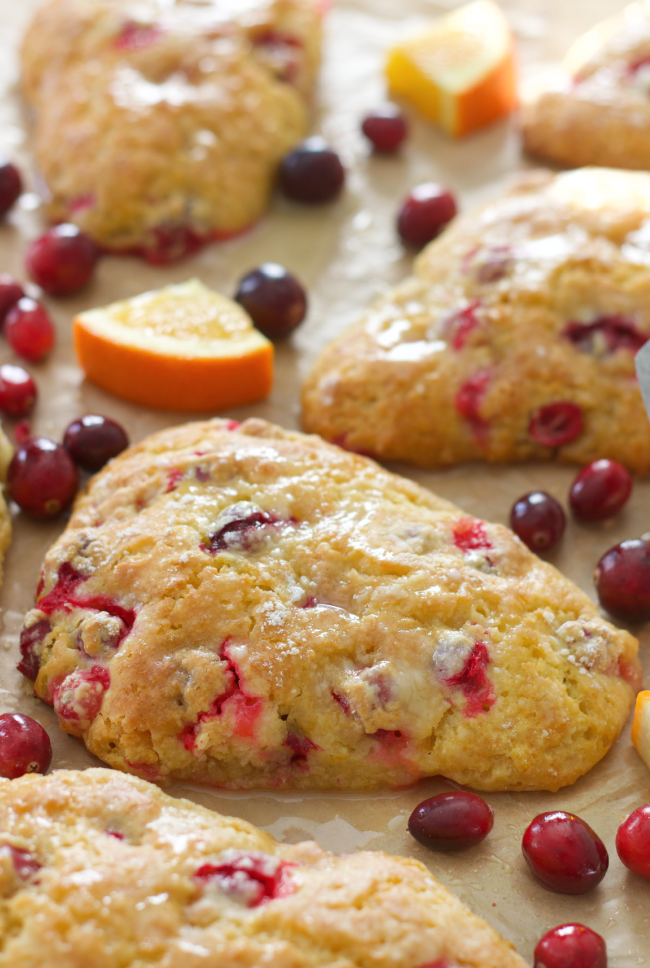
(154, 118)
(596, 111)
(541, 298)
(249, 607)
(98, 868)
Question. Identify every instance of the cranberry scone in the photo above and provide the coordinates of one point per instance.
(160, 125)
(247, 607)
(514, 340)
(597, 110)
(103, 869)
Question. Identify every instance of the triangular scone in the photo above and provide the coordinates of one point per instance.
(514, 340)
(598, 111)
(248, 607)
(110, 871)
(160, 125)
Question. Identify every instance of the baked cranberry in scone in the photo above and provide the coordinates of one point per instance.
(246, 607)
(174, 871)
(520, 320)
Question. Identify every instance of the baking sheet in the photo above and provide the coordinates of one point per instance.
(345, 254)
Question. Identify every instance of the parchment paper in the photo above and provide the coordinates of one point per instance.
(345, 254)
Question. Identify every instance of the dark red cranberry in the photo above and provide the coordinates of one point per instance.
(571, 946)
(10, 292)
(600, 490)
(622, 580)
(425, 213)
(312, 173)
(11, 186)
(29, 330)
(386, 128)
(93, 440)
(633, 841)
(538, 519)
(556, 424)
(451, 821)
(24, 746)
(241, 531)
(17, 391)
(273, 298)
(62, 261)
(30, 643)
(42, 478)
(171, 243)
(609, 333)
(564, 853)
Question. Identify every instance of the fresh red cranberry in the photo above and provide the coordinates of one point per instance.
(451, 821)
(62, 261)
(42, 478)
(622, 579)
(556, 424)
(312, 173)
(571, 946)
(425, 213)
(10, 292)
(273, 298)
(30, 642)
(93, 440)
(11, 185)
(564, 853)
(29, 330)
(633, 841)
(17, 391)
(386, 128)
(24, 746)
(600, 490)
(538, 519)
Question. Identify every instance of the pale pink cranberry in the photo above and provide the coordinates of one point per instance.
(460, 324)
(385, 128)
(29, 330)
(633, 841)
(600, 490)
(135, 36)
(556, 424)
(10, 292)
(571, 946)
(11, 185)
(171, 243)
(564, 854)
(301, 747)
(25, 864)
(62, 261)
(468, 402)
(17, 391)
(497, 263)
(470, 535)
(248, 877)
(24, 746)
(79, 697)
(283, 49)
(451, 821)
(425, 213)
(623, 580)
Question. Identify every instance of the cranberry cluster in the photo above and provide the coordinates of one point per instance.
(563, 854)
(599, 492)
(43, 475)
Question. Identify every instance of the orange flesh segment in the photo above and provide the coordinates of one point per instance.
(460, 72)
(641, 727)
(182, 348)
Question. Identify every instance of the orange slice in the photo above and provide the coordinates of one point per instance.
(460, 72)
(183, 347)
(641, 727)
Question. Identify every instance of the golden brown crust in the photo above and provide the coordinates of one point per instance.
(256, 608)
(537, 300)
(117, 885)
(160, 124)
(598, 112)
